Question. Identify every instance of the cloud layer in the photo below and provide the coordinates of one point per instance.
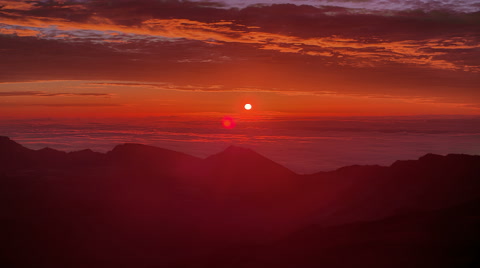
(421, 49)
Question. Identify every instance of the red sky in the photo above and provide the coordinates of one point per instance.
(148, 57)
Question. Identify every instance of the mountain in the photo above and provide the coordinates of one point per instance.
(144, 206)
(444, 238)
(15, 156)
(245, 171)
(374, 192)
(245, 162)
(149, 160)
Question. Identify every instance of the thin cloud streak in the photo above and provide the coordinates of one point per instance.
(373, 5)
(415, 99)
(46, 94)
(63, 105)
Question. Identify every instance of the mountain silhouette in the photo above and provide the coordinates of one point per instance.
(243, 170)
(246, 162)
(143, 206)
(149, 160)
(440, 238)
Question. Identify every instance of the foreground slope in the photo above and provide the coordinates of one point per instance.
(448, 237)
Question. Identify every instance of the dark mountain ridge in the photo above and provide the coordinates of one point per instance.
(144, 206)
(242, 159)
(443, 238)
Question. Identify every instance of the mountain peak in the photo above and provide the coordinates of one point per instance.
(139, 154)
(4, 140)
(128, 146)
(234, 149)
(8, 145)
(49, 150)
(431, 157)
(234, 152)
(137, 148)
(245, 160)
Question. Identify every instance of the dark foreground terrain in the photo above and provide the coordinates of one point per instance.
(142, 206)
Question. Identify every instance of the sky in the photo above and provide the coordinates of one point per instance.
(201, 61)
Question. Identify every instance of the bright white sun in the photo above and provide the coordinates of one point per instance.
(248, 106)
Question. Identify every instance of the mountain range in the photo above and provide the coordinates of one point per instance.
(143, 206)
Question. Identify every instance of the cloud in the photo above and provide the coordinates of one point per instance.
(412, 98)
(356, 51)
(18, 31)
(415, 38)
(166, 86)
(127, 84)
(61, 105)
(290, 47)
(45, 94)
(457, 5)
(16, 5)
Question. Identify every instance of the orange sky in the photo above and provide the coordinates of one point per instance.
(113, 99)
(146, 58)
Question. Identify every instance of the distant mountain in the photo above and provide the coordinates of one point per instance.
(244, 171)
(144, 159)
(14, 156)
(374, 192)
(143, 206)
(245, 162)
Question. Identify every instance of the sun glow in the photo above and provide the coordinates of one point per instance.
(248, 106)
(228, 122)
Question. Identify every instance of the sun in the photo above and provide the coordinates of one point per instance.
(248, 106)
